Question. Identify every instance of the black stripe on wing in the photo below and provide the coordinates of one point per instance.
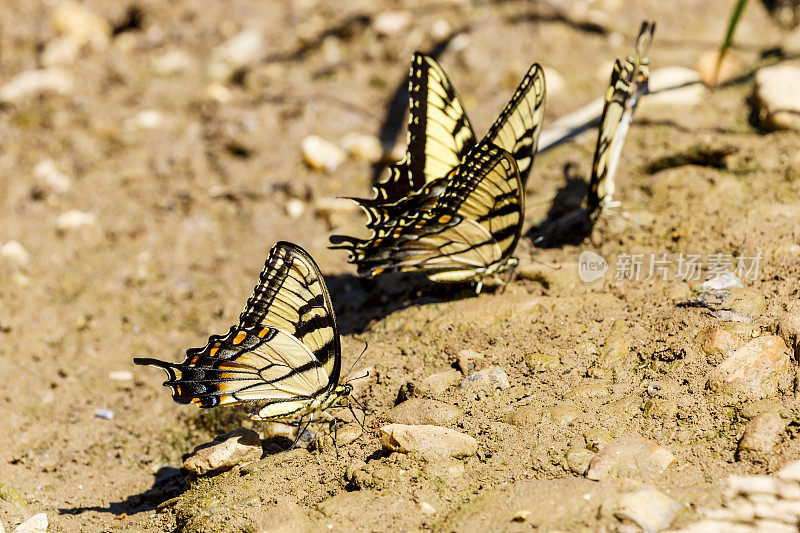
(224, 371)
(291, 295)
(517, 128)
(439, 134)
(478, 189)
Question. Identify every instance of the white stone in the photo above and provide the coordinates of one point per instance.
(674, 86)
(430, 441)
(321, 154)
(219, 93)
(172, 62)
(391, 23)
(651, 509)
(15, 253)
(85, 26)
(295, 208)
(236, 447)
(54, 180)
(725, 280)
(35, 524)
(147, 119)
(778, 96)
(363, 146)
(62, 50)
(427, 508)
(29, 82)
(72, 220)
(120, 375)
(630, 456)
(790, 472)
(235, 53)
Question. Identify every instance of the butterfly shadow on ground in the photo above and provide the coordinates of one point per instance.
(358, 302)
(567, 221)
(168, 483)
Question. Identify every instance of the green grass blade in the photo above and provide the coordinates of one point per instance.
(728, 41)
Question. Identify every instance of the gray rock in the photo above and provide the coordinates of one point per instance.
(757, 370)
(630, 456)
(427, 440)
(35, 524)
(488, 379)
(777, 94)
(421, 411)
(226, 451)
(761, 435)
(649, 508)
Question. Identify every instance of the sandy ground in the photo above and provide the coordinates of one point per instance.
(188, 203)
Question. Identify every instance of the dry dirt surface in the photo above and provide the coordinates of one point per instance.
(146, 176)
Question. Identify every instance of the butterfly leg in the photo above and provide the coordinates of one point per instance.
(301, 431)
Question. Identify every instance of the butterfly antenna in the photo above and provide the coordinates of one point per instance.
(366, 345)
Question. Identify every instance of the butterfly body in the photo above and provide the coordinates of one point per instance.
(628, 83)
(285, 351)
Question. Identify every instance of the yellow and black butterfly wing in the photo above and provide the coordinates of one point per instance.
(628, 83)
(455, 228)
(284, 352)
(291, 295)
(517, 128)
(439, 133)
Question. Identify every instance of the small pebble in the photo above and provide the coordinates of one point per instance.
(651, 509)
(725, 280)
(761, 435)
(363, 146)
(30, 82)
(295, 208)
(389, 23)
(50, 178)
(427, 508)
(82, 24)
(320, 154)
(235, 53)
(630, 456)
(579, 459)
(422, 411)
(718, 341)
(61, 50)
(438, 383)
(226, 451)
(541, 362)
(147, 119)
(466, 359)
(564, 413)
(757, 370)
(710, 75)
(789, 329)
(14, 253)
(488, 379)
(105, 414)
(777, 95)
(172, 62)
(35, 524)
(430, 441)
(120, 375)
(73, 220)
